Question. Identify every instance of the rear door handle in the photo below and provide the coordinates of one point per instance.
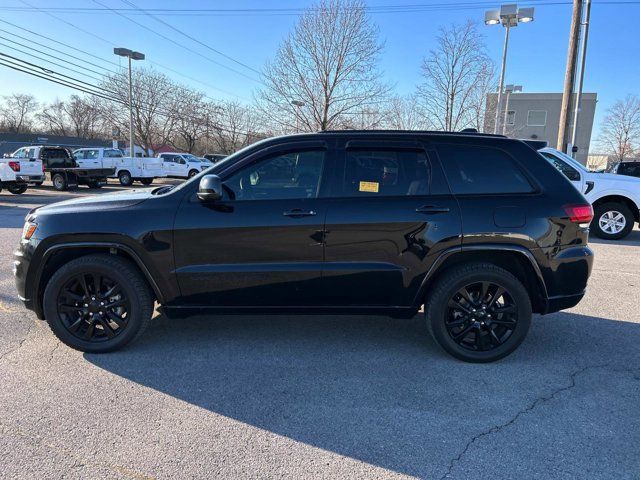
(298, 213)
(432, 209)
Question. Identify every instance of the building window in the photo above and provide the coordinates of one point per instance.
(537, 118)
(511, 117)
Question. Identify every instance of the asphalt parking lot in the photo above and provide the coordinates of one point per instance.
(323, 397)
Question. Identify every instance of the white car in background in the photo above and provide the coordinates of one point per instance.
(127, 169)
(615, 198)
(182, 165)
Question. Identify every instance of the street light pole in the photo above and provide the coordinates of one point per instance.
(583, 58)
(132, 153)
(131, 55)
(502, 70)
(508, 16)
(508, 90)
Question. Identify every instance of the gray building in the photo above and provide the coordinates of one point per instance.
(537, 116)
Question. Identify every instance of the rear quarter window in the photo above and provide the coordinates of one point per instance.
(482, 170)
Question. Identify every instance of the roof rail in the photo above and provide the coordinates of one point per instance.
(466, 131)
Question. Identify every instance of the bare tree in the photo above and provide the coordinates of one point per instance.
(155, 102)
(17, 112)
(191, 114)
(454, 76)
(401, 114)
(330, 63)
(77, 116)
(620, 134)
(236, 127)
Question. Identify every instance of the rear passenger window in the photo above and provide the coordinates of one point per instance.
(386, 173)
(478, 170)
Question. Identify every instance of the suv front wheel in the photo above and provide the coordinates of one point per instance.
(478, 312)
(97, 303)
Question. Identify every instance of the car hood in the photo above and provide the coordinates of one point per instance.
(614, 177)
(98, 202)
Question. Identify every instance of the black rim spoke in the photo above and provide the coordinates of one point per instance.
(87, 312)
(481, 316)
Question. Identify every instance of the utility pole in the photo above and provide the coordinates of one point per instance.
(569, 76)
(583, 58)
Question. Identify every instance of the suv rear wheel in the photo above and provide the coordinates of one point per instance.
(612, 221)
(97, 303)
(478, 312)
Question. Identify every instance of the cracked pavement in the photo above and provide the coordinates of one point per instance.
(324, 397)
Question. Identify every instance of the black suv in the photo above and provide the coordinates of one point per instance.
(480, 230)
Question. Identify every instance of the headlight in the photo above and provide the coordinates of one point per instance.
(28, 230)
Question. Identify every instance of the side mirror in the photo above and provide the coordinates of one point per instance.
(210, 188)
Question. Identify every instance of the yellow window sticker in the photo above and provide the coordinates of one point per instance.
(369, 187)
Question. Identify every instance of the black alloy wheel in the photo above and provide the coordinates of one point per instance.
(98, 303)
(481, 316)
(478, 312)
(93, 307)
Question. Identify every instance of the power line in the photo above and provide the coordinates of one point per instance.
(199, 42)
(184, 47)
(157, 64)
(45, 74)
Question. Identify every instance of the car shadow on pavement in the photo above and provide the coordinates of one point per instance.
(632, 239)
(371, 388)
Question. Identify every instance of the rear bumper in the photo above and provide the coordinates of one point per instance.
(566, 274)
(29, 178)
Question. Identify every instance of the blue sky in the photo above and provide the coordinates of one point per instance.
(537, 53)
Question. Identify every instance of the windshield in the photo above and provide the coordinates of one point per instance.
(190, 157)
(567, 158)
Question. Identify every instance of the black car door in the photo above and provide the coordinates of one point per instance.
(261, 245)
(392, 214)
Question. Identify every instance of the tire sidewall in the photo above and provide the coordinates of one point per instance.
(60, 278)
(17, 189)
(607, 207)
(192, 173)
(125, 178)
(59, 183)
(438, 311)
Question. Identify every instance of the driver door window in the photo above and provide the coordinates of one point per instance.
(294, 175)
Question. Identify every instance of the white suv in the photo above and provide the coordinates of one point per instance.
(615, 198)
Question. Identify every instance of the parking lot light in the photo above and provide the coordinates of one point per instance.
(131, 55)
(508, 16)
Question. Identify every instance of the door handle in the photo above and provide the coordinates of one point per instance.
(298, 213)
(432, 209)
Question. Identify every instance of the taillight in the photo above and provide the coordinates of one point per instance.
(15, 166)
(579, 213)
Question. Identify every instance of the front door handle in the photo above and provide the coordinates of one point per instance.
(298, 213)
(432, 209)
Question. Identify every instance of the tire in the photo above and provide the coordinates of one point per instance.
(477, 345)
(17, 189)
(146, 181)
(125, 178)
(71, 323)
(612, 221)
(193, 173)
(59, 182)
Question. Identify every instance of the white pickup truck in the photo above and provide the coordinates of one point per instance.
(127, 169)
(16, 174)
(183, 165)
(615, 198)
